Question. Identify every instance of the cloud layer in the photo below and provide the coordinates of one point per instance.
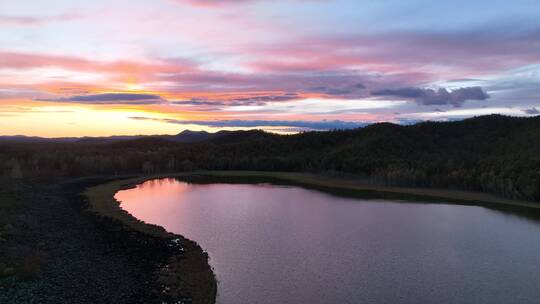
(307, 125)
(109, 98)
(249, 62)
(532, 111)
(431, 97)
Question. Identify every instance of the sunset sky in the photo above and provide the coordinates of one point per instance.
(104, 67)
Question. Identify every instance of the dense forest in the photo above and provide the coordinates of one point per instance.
(496, 154)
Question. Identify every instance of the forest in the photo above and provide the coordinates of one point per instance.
(496, 154)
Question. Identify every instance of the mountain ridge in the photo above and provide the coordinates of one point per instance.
(496, 154)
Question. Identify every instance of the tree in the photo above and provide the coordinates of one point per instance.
(16, 172)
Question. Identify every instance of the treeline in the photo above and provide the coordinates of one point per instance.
(496, 154)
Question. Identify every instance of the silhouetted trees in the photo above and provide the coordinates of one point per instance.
(494, 153)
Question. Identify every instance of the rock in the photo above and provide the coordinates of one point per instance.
(8, 271)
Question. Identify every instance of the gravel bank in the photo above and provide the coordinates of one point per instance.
(62, 254)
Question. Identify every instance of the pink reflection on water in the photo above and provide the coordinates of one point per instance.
(276, 244)
(148, 199)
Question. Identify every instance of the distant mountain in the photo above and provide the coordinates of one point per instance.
(186, 136)
(24, 139)
(190, 136)
(497, 154)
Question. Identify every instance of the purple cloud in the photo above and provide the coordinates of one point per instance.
(532, 111)
(239, 101)
(435, 97)
(109, 98)
(308, 125)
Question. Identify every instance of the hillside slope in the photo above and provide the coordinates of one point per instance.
(496, 154)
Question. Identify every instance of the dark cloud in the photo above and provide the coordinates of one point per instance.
(436, 97)
(338, 90)
(198, 102)
(464, 80)
(243, 101)
(73, 91)
(532, 111)
(329, 82)
(330, 91)
(260, 100)
(110, 98)
(308, 125)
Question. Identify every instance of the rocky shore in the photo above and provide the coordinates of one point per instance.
(57, 252)
(185, 276)
(58, 245)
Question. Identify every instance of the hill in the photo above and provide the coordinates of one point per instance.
(496, 154)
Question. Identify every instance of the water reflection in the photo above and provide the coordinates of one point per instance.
(284, 244)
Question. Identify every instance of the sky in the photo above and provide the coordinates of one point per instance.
(119, 67)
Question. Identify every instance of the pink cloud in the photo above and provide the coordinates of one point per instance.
(457, 54)
(217, 3)
(325, 67)
(22, 61)
(208, 3)
(31, 20)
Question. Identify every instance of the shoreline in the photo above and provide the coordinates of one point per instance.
(186, 277)
(53, 250)
(357, 186)
(188, 273)
(352, 187)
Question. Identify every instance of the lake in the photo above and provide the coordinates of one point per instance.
(285, 244)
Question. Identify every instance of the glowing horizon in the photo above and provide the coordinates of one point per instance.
(70, 68)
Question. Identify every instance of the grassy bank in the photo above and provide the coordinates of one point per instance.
(361, 187)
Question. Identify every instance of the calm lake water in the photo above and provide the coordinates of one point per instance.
(283, 244)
